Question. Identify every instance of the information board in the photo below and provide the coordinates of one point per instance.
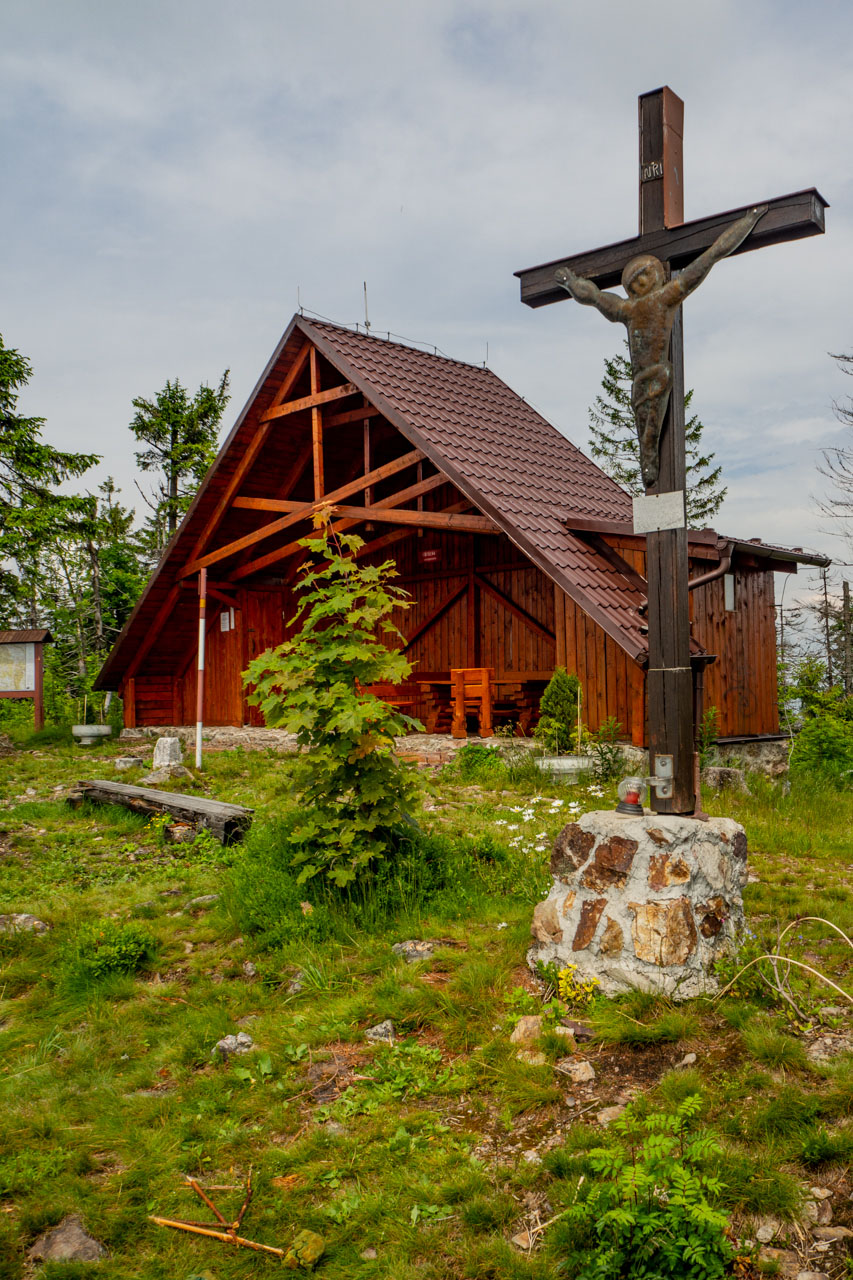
(17, 668)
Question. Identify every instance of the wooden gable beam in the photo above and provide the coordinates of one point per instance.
(533, 624)
(351, 415)
(317, 428)
(253, 449)
(309, 402)
(301, 511)
(418, 519)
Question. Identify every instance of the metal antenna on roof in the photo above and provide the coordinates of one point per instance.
(486, 361)
(366, 317)
(299, 302)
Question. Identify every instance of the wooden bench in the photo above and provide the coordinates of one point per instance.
(228, 822)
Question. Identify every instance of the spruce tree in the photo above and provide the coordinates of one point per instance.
(613, 435)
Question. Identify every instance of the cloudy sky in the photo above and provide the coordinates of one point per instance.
(176, 175)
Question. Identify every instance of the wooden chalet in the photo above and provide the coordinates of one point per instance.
(518, 551)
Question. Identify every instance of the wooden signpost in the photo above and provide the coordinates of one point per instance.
(675, 244)
(22, 668)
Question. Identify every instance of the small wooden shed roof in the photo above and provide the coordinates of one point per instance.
(33, 636)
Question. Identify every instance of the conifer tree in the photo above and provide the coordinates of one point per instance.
(614, 444)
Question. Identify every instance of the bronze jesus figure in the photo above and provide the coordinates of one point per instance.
(648, 313)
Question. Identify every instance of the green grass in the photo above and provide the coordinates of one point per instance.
(109, 1093)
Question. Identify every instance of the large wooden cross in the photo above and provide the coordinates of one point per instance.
(664, 234)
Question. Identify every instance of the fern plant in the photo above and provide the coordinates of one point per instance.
(355, 793)
(648, 1215)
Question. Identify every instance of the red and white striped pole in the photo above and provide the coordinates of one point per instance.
(199, 694)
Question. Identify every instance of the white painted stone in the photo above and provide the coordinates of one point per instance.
(167, 751)
(644, 903)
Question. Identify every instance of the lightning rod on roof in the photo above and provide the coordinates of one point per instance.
(366, 317)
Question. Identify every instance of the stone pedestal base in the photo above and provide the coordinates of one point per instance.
(643, 903)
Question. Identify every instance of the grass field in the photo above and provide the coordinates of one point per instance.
(419, 1159)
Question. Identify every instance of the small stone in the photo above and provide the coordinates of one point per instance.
(205, 900)
(228, 1045)
(156, 778)
(767, 1230)
(580, 1030)
(559, 1030)
(333, 1129)
(383, 1031)
(810, 1211)
(68, 1242)
(532, 1057)
(527, 1030)
(821, 1193)
(305, 1251)
(545, 926)
(249, 970)
(306, 908)
(20, 922)
(689, 1060)
(522, 1241)
(126, 762)
(189, 947)
(832, 1233)
(606, 1116)
(581, 1072)
(369, 1253)
(532, 1156)
(167, 751)
(828, 1011)
(812, 1275)
(294, 986)
(414, 949)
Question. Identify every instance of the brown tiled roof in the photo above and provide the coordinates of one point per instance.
(498, 451)
(513, 464)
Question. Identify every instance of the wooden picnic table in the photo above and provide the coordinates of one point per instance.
(520, 697)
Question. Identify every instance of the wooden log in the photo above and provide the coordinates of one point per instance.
(228, 822)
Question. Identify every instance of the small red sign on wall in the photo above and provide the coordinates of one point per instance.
(429, 555)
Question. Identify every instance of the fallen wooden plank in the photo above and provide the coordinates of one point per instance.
(228, 822)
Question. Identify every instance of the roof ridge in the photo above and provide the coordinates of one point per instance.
(406, 344)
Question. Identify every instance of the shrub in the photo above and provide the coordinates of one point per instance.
(104, 947)
(648, 1212)
(824, 748)
(355, 793)
(558, 712)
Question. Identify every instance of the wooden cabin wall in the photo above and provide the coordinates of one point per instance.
(613, 685)
(741, 684)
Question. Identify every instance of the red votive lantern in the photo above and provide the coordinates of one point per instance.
(631, 795)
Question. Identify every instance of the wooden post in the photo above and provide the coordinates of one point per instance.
(199, 692)
(316, 429)
(670, 679)
(848, 653)
(38, 692)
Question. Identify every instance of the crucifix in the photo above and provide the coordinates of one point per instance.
(658, 269)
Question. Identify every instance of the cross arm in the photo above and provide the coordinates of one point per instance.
(787, 218)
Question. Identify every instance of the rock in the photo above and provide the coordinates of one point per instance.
(523, 1241)
(527, 1030)
(127, 762)
(581, 1072)
(689, 1060)
(832, 1233)
(249, 970)
(723, 778)
(199, 904)
(612, 940)
(606, 1116)
(786, 1258)
(155, 779)
(571, 850)
(829, 1046)
(294, 986)
(545, 926)
(532, 1156)
(68, 1242)
(829, 1011)
(20, 922)
(532, 1057)
(228, 1045)
(812, 1275)
(305, 1251)
(767, 1230)
(664, 933)
(333, 1129)
(818, 1211)
(580, 1030)
(383, 1031)
(167, 751)
(369, 1253)
(588, 923)
(559, 1030)
(821, 1193)
(414, 949)
(180, 833)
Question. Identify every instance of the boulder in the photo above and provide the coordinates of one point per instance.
(20, 922)
(383, 1032)
(527, 1030)
(723, 778)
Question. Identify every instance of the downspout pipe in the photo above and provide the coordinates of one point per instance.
(712, 574)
